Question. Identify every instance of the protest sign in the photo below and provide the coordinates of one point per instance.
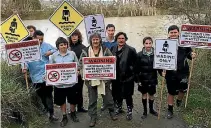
(198, 36)
(95, 24)
(21, 52)
(165, 54)
(99, 68)
(61, 74)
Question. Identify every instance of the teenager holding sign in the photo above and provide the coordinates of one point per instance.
(177, 81)
(67, 91)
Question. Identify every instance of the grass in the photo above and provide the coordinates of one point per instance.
(18, 106)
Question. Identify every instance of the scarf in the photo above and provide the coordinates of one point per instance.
(99, 83)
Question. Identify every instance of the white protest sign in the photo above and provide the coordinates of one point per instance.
(198, 36)
(95, 24)
(25, 51)
(63, 73)
(165, 54)
(100, 68)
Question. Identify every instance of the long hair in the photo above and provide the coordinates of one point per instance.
(95, 35)
(78, 33)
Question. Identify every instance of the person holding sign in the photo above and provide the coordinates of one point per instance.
(123, 86)
(146, 75)
(37, 72)
(67, 91)
(96, 50)
(177, 81)
(75, 41)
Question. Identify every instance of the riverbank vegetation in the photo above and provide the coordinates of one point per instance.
(19, 107)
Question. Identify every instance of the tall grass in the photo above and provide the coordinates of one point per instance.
(18, 106)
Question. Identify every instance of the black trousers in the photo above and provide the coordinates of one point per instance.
(45, 94)
(79, 90)
(122, 91)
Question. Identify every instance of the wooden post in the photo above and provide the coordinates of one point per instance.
(189, 79)
(161, 94)
(26, 78)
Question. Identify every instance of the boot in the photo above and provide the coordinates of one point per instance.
(112, 114)
(64, 121)
(119, 109)
(74, 117)
(92, 122)
(144, 102)
(151, 109)
(129, 113)
(170, 112)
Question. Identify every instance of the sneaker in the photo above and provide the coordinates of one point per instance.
(53, 118)
(64, 121)
(169, 115)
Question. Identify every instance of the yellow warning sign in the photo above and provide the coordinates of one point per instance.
(66, 18)
(13, 30)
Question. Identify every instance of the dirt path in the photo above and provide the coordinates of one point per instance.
(105, 122)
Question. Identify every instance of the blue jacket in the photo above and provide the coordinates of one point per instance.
(37, 68)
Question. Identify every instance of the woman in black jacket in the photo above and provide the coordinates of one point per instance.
(75, 41)
(146, 75)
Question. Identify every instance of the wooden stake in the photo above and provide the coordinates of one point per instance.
(26, 78)
(189, 79)
(161, 94)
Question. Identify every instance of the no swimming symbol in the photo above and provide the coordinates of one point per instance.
(53, 76)
(15, 55)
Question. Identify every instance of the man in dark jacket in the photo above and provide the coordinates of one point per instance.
(177, 81)
(123, 86)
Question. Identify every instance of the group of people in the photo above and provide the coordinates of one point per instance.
(131, 68)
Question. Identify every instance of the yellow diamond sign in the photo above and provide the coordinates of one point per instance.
(13, 29)
(66, 18)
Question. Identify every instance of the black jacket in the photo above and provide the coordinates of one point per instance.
(126, 59)
(77, 48)
(182, 71)
(144, 68)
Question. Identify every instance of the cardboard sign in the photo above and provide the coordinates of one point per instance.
(198, 36)
(13, 29)
(25, 51)
(165, 54)
(61, 74)
(95, 24)
(66, 18)
(99, 68)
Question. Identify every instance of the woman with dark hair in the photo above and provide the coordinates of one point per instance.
(96, 50)
(75, 42)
